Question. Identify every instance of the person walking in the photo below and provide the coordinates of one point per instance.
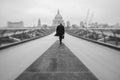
(60, 31)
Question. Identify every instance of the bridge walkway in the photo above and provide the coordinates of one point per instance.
(102, 61)
(57, 63)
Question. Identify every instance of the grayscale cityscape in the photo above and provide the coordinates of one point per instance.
(59, 40)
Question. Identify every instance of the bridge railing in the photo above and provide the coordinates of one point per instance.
(106, 35)
(8, 36)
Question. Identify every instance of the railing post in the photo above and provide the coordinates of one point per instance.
(1, 35)
(87, 31)
(116, 39)
(94, 34)
(118, 32)
(103, 35)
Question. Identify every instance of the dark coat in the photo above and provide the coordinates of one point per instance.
(60, 30)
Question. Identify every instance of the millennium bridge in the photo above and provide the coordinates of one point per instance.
(35, 54)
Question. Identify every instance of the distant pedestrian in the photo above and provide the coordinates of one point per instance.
(60, 31)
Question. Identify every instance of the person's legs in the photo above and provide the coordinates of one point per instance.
(60, 39)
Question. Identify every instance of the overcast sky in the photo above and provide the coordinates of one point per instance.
(102, 11)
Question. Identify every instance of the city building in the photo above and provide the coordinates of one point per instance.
(39, 23)
(15, 24)
(74, 26)
(44, 26)
(57, 20)
(117, 25)
(82, 24)
(68, 23)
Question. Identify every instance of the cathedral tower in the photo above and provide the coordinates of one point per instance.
(58, 19)
(39, 23)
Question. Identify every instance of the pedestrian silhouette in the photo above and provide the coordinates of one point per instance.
(60, 31)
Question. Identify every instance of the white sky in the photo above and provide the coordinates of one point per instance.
(104, 11)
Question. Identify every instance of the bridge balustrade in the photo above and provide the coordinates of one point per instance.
(108, 35)
(18, 35)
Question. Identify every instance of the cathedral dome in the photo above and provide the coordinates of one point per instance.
(58, 16)
(58, 19)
